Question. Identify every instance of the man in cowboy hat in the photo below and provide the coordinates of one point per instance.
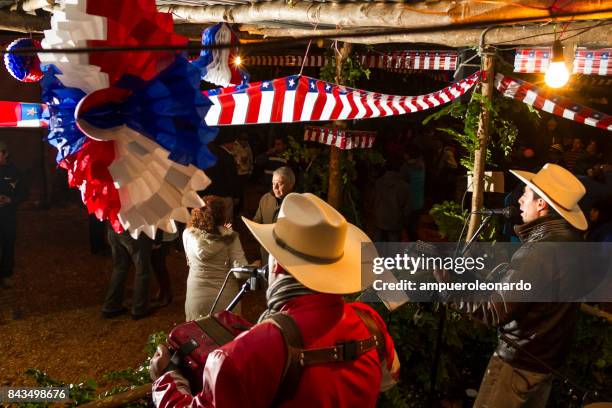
(533, 337)
(346, 355)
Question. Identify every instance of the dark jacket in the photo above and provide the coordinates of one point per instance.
(544, 330)
(12, 186)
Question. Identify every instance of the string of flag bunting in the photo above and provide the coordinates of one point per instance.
(303, 99)
(341, 138)
(412, 60)
(587, 62)
(20, 114)
(549, 102)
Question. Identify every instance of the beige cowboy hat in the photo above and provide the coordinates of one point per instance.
(560, 189)
(314, 243)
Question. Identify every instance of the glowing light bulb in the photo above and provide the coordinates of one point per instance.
(237, 61)
(557, 74)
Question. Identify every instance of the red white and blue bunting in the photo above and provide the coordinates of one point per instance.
(410, 60)
(593, 62)
(532, 60)
(302, 99)
(547, 101)
(341, 138)
(587, 62)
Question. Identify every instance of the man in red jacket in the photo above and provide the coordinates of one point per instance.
(347, 356)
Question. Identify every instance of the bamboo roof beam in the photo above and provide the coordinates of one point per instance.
(598, 36)
(395, 15)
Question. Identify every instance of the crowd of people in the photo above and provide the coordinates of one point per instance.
(341, 349)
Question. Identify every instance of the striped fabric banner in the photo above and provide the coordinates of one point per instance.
(549, 102)
(286, 60)
(429, 60)
(343, 139)
(20, 114)
(412, 60)
(532, 60)
(303, 99)
(593, 62)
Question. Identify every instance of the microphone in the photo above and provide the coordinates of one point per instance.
(246, 272)
(508, 212)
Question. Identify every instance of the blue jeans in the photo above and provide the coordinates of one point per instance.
(504, 386)
(126, 250)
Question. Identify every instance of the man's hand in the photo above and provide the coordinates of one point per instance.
(159, 362)
(4, 200)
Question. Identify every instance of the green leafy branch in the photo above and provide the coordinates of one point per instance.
(352, 71)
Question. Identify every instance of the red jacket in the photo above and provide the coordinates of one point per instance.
(247, 371)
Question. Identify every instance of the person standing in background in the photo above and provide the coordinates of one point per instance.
(126, 249)
(12, 193)
(283, 183)
(413, 171)
(164, 242)
(211, 248)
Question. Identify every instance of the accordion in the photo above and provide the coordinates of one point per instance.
(190, 343)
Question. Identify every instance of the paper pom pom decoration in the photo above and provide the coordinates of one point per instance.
(128, 128)
(220, 66)
(24, 68)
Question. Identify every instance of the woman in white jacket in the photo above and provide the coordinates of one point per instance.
(212, 248)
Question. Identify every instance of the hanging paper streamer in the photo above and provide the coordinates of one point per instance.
(343, 139)
(286, 60)
(24, 68)
(410, 60)
(21, 114)
(593, 62)
(129, 128)
(551, 103)
(303, 99)
(532, 60)
(220, 66)
(428, 60)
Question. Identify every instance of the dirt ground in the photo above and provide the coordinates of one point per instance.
(58, 289)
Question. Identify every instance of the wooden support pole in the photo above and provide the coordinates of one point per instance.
(483, 135)
(334, 186)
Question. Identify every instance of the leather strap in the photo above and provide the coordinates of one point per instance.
(297, 357)
(375, 332)
(347, 351)
(290, 378)
(215, 330)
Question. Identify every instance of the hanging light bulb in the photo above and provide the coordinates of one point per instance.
(557, 74)
(237, 61)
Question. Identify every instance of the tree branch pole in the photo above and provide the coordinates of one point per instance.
(334, 186)
(480, 156)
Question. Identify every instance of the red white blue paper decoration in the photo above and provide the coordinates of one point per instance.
(304, 99)
(24, 68)
(20, 114)
(593, 62)
(128, 127)
(341, 138)
(549, 102)
(532, 60)
(220, 66)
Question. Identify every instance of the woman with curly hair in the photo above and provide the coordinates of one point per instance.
(212, 248)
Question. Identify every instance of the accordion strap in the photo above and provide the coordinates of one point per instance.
(298, 358)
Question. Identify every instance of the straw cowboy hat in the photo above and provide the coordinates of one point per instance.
(314, 243)
(560, 189)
